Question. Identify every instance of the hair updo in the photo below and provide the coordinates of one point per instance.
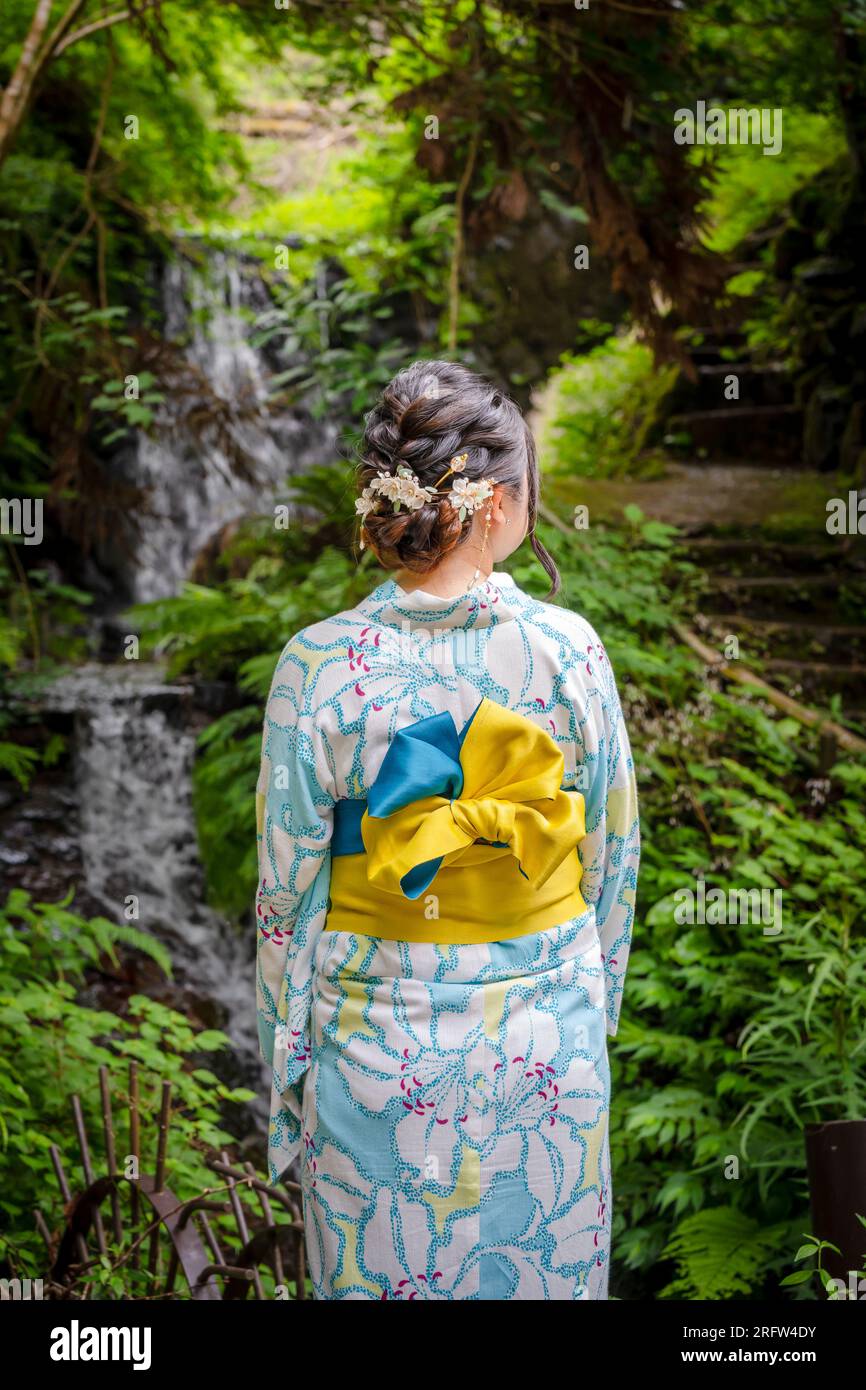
(428, 413)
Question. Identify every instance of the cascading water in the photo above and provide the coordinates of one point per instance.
(134, 747)
(133, 756)
(196, 480)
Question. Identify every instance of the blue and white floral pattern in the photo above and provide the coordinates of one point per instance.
(449, 1103)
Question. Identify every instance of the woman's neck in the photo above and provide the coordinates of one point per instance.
(452, 577)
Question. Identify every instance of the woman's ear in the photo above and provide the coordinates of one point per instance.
(499, 498)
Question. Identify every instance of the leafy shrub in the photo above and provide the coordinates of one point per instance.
(599, 410)
(51, 1047)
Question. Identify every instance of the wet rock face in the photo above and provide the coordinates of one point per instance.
(533, 298)
(819, 260)
(39, 847)
(115, 824)
(218, 451)
(134, 746)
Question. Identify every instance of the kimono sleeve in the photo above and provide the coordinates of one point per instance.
(611, 851)
(294, 823)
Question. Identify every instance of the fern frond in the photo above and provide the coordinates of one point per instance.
(19, 761)
(722, 1253)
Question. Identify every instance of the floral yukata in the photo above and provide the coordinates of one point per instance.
(448, 1100)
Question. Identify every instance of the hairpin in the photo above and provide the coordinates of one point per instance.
(457, 464)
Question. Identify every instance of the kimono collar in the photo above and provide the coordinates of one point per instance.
(482, 606)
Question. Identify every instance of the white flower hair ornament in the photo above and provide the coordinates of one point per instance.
(467, 496)
(403, 489)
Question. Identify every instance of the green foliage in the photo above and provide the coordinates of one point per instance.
(369, 211)
(814, 1250)
(731, 1039)
(51, 1047)
(18, 761)
(127, 135)
(720, 1253)
(231, 745)
(40, 626)
(236, 630)
(335, 332)
(748, 189)
(42, 620)
(600, 409)
(228, 765)
(133, 404)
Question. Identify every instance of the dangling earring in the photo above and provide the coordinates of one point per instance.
(488, 518)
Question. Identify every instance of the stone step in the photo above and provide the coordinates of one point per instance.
(764, 384)
(725, 567)
(713, 549)
(787, 581)
(829, 671)
(793, 605)
(710, 345)
(744, 367)
(791, 641)
(708, 331)
(737, 431)
(756, 385)
(712, 354)
(794, 627)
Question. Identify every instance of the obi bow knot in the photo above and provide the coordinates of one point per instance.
(440, 794)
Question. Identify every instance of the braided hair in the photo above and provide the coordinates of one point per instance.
(429, 412)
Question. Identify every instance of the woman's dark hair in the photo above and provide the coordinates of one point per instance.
(428, 413)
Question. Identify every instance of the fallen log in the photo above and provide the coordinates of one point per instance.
(733, 671)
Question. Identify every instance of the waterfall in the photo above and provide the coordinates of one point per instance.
(133, 756)
(133, 740)
(235, 461)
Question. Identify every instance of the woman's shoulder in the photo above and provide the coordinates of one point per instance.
(553, 620)
(326, 634)
(311, 650)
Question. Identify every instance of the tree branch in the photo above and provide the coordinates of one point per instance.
(105, 22)
(61, 27)
(457, 252)
(18, 88)
(38, 52)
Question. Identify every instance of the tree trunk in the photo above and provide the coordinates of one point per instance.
(851, 91)
(836, 1160)
(33, 60)
(17, 92)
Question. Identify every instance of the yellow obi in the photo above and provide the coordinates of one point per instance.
(464, 837)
